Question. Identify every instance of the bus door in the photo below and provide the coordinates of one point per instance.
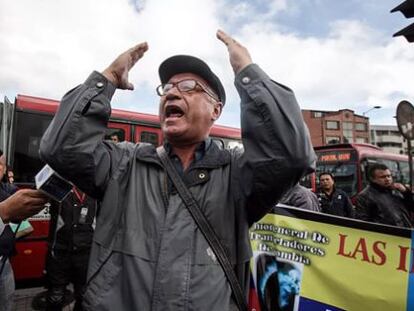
(25, 135)
(118, 132)
(148, 134)
(7, 109)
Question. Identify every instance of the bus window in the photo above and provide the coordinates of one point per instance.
(392, 166)
(115, 134)
(149, 137)
(405, 172)
(29, 130)
(399, 169)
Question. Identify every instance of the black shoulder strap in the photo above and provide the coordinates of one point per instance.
(205, 227)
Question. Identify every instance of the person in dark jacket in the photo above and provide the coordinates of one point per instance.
(384, 201)
(148, 253)
(17, 207)
(301, 197)
(333, 200)
(70, 238)
(7, 248)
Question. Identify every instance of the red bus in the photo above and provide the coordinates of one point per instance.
(349, 164)
(22, 126)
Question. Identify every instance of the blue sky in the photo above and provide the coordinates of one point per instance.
(334, 54)
(314, 17)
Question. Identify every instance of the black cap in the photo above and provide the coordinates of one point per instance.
(185, 63)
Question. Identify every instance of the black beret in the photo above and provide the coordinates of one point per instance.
(185, 63)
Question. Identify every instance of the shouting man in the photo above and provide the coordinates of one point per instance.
(148, 253)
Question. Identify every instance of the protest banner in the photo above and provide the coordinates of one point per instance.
(308, 261)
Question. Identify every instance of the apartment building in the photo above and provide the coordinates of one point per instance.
(342, 126)
(389, 138)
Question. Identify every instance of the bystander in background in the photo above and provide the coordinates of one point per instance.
(70, 238)
(301, 197)
(384, 201)
(332, 200)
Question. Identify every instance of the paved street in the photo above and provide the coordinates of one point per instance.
(23, 299)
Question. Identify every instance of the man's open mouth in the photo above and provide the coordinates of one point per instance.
(172, 111)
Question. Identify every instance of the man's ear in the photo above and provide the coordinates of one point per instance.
(218, 106)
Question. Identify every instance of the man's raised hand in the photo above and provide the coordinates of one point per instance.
(118, 71)
(238, 54)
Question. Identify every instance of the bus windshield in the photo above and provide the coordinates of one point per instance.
(345, 175)
(342, 164)
(350, 163)
(26, 161)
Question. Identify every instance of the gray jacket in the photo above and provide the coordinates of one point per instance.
(301, 197)
(147, 252)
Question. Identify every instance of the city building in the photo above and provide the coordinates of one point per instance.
(331, 127)
(389, 138)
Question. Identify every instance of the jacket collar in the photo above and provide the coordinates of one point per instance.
(329, 195)
(199, 152)
(214, 156)
(378, 187)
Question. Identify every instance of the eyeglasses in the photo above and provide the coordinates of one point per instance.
(185, 86)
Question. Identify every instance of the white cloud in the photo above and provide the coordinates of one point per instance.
(351, 68)
(48, 46)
